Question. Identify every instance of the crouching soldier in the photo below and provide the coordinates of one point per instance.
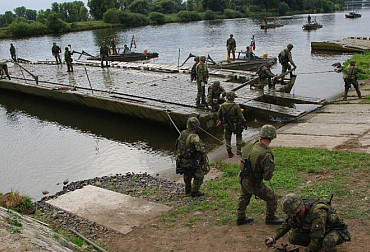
(192, 160)
(216, 96)
(4, 70)
(313, 224)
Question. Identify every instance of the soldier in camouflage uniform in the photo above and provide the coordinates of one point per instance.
(230, 45)
(13, 52)
(285, 59)
(233, 121)
(216, 96)
(104, 54)
(262, 166)
(265, 75)
(202, 79)
(193, 73)
(350, 78)
(68, 59)
(191, 157)
(312, 223)
(4, 70)
(56, 51)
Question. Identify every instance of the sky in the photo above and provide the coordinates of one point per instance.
(10, 5)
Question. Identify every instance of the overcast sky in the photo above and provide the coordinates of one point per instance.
(10, 5)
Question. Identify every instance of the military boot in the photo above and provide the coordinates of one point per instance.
(187, 190)
(345, 94)
(274, 221)
(196, 194)
(247, 220)
(239, 151)
(230, 153)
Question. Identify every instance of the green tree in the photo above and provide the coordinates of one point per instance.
(20, 11)
(112, 16)
(283, 8)
(209, 15)
(157, 18)
(42, 15)
(31, 14)
(139, 6)
(99, 7)
(8, 17)
(55, 24)
(215, 5)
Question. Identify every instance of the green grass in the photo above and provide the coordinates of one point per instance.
(308, 172)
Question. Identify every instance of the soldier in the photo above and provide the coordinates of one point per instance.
(249, 53)
(216, 96)
(104, 51)
(56, 51)
(258, 165)
(12, 52)
(202, 79)
(193, 73)
(285, 59)
(113, 45)
(232, 119)
(192, 157)
(4, 70)
(265, 75)
(68, 59)
(126, 50)
(230, 45)
(313, 224)
(350, 78)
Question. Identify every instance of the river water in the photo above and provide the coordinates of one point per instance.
(43, 143)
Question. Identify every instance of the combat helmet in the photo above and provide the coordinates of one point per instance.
(230, 96)
(267, 131)
(352, 62)
(215, 83)
(202, 58)
(196, 58)
(289, 46)
(192, 123)
(291, 203)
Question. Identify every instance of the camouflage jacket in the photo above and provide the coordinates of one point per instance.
(234, 111)
(317, 220)
(351, 72)
(215, 93)
(68, 56)
(56, 50)
(285, 57)
(265, 73)
(190, 149)
(104, 50)
(230, 43)
(262, 160)
(193, 73)
(202, 72)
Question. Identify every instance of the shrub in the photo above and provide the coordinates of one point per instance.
(133, 19)
(283, 8)
(21, 29)
(184, 16)
(229, 13)
(56, 25)
(157, 18)
(194, 15)
(111, 16)
(209, 15)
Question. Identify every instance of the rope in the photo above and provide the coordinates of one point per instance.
(173, 123)
(209, 134)
(320, 72)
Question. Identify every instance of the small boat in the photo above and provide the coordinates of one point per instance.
(353, 14)
(132, 56)
(270, 25)
(241, 64)
(311, 26)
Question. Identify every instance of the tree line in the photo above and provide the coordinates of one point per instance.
(61, 17)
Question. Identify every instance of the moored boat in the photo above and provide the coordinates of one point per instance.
(242, 64)
(353, 14)
(132, 56)
(270, 25)
(311, 26)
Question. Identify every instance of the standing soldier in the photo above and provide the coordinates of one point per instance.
(258, 165)
(202, 79)
(216, 96)
(193, 73)
(191, 160)
(350, 78)
(12, 52)
(56, 51)
(232, 119)
(230, 45)
(104, 52)
(285, 59)
(68, 59)
(113, 45)
(313, 224)
(265, 75)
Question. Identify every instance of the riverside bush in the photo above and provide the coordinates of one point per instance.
(195, 16)
(229, 13)
(21, 29)
(209, 15)
(188, 16)
(112, 16)
(157, 18)
(133, 19)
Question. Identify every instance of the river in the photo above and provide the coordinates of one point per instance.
(43, 143)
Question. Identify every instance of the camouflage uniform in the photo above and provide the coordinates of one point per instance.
(202, 79)
(12, 52)
(232, 110)
(285, 59)
(264, 77)
(231, 45)
(214, 99)
(191, 156)
(56, 53)
(193, 73)
(4, 70)
(317, 226)
(104, 52)
(263, 166)
(68, 59)
(350, 78)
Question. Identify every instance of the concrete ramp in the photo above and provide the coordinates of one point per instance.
(113, 210)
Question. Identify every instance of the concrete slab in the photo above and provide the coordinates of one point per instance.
(324, 129)
(116, 211)
(307, 141)
(342, 119)
(347, 108)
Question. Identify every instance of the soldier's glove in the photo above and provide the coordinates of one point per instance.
(202, 83)
(270, 241)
